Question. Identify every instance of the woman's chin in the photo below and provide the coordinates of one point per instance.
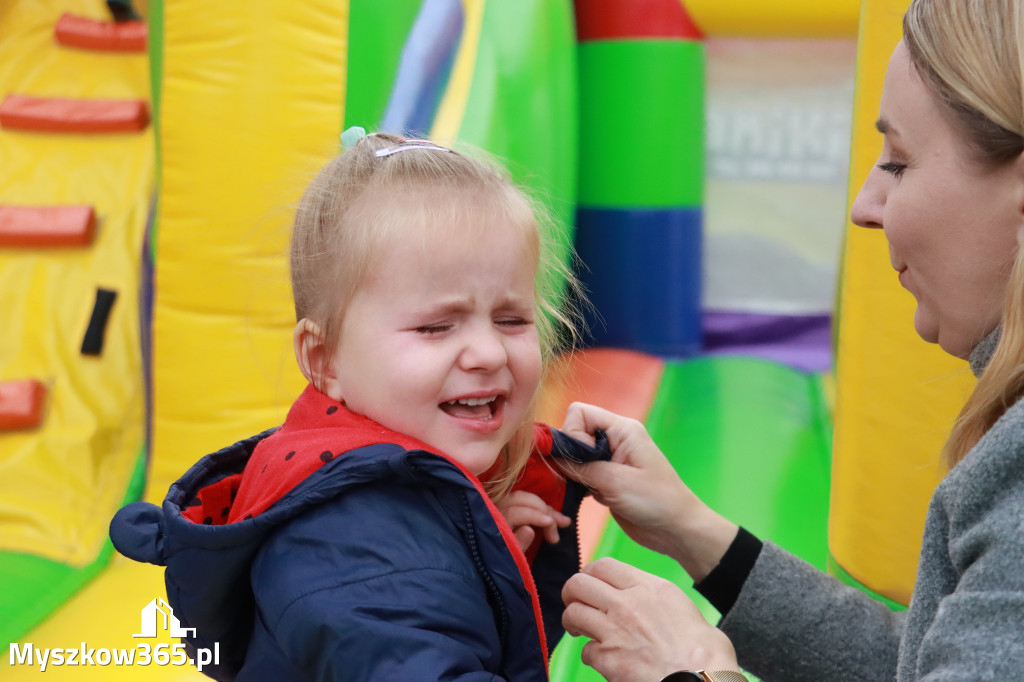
(949, 341)
(926, 327)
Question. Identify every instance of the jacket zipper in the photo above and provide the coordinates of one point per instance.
(491, 586)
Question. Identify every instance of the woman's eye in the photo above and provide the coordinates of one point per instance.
(893, 168)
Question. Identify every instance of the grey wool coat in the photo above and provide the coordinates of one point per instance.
(793, 623)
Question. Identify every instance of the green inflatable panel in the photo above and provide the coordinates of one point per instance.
(377, 32)
(522, 101)
(752, 439)
(641, 124)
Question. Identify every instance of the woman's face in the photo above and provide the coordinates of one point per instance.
(951, 223)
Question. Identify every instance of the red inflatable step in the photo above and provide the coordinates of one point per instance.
(21, 403)
(637, 20)
(42, 226)
(92, 34)
(54, 114)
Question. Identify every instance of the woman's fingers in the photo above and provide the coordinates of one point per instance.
(584, 419)
(605, 478)
(627, 437)
(587, 600)
(583, 620)
(588, 589)
(642, 627)
(615, 573)
(576, 423)
(598, 592)
(607, 584)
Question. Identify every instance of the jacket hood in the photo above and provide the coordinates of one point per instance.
(207, 575)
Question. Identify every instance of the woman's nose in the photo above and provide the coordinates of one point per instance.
(867, 207)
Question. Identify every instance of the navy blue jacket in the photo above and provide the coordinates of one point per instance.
(385, 562)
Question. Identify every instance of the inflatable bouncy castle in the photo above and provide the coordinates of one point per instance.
(699, 155)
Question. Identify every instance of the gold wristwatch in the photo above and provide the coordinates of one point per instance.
(705, 676)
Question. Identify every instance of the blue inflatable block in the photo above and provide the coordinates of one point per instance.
(427, 60)
(642, 273)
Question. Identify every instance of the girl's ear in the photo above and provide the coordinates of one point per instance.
(314, 358)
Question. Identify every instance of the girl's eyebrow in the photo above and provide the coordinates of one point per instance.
(461, 304)
(447, 306)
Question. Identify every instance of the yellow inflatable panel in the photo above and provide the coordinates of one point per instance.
(896, 396)
(778, 19)
(251, 109)
(61, 482)
(105, 615)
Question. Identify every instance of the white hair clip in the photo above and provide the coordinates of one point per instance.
(388, 151)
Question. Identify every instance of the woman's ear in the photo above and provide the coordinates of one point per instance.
(314, 358)
(1018, 166)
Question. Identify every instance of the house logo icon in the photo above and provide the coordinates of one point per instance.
(156, 609)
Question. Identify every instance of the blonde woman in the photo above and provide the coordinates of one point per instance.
(948, 191)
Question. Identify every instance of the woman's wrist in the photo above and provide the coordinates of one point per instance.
(716, 658)
(702, 538)
(705, 676)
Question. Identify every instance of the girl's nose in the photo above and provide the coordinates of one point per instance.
(484, 350)
(867, 207)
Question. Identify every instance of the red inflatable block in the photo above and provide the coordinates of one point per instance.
(42, 226)
(635, 20)
(21, 404)
(54, 114)
(91, 34)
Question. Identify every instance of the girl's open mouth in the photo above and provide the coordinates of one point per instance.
(481, 409)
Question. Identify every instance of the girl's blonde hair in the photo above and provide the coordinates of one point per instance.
(360, 201)
(969, 53)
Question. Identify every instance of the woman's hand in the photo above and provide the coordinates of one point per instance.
(645, 494)
(527, 513)
(642, 627)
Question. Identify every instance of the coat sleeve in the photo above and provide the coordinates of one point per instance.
(795, 623)
(376, 587)
(792, 622)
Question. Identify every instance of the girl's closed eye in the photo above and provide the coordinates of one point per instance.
(513, 322)
(434, 329)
